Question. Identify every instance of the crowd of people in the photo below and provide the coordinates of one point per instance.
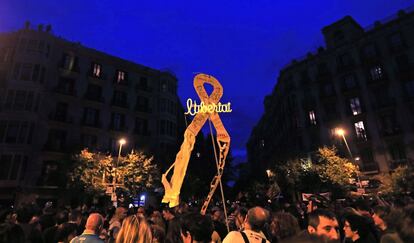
(315, 220)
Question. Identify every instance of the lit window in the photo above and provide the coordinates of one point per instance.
(312, 117)
(97, 70)
(68, 62)
(377, 73)
(360, 130)
(120, 76)
(355, 106)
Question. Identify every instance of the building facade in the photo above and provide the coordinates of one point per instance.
(57, 97)
(361, 82)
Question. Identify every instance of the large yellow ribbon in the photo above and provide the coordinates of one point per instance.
(173, 187)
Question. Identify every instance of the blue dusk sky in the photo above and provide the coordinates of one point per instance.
(244, 44)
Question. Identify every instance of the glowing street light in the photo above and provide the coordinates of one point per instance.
(121, 141)
(341, 132)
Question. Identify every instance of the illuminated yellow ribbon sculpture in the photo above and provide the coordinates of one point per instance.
(173, 187)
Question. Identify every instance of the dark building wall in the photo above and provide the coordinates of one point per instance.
(362, 82)
(58, 96)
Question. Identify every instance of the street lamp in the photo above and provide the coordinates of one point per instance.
(341, 132)
(121, 141)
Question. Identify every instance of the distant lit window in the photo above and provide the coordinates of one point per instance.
(312, 117)
(355, 106)
(262, 142)
(360, 130)
(376, 72)
(120, 77)
(97, 70)
(68, 62)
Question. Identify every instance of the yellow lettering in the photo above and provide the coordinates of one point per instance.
(193, 108)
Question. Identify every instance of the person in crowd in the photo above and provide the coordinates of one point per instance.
(254, 225)
(237, 217)
(174, 231)
(322, 226)
(406, 231)
(135, 229)
(196, 228)
(65, 233)
(49, 234)
(156, 218)
(93, 227)
(380, 213)
(393, 221)
(158, 233)
(357, 229)
(31, 232)
(283, 225)
(75, 217)
(10, 232)
(116, 222)
(218, 222)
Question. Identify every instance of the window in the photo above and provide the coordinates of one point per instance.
(19, 100)
(26, 72)
(15, 132)
(66, 86)
(345, 60)
(164, 86)
(360, 131)
(61, 111)
(143, 83)
(119, 98)
(395, 41)
(328, 90)
(88, 140)
(162, 105)
(68, 62)
(349, 82)
(377, 73)
(94, 92)
(355, 106)
(142, 104)
(6, 164)
(312, 117)
(141, 126)
(118, 121)
(96, 70)
(120, 76)
(91, 116)
(409, 88)
(56, 139)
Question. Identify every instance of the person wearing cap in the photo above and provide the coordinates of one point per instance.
(93, 227)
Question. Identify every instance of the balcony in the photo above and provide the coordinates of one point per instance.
(122, 104)
(94, 124)
(145, 88)
(64, 90)
(53, 116)
(96, 98)
(112, 127)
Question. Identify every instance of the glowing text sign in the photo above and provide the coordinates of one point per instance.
(193, 108)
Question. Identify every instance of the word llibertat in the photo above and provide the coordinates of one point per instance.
(193, 108)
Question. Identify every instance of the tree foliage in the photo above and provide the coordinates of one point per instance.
(94, 172)
(398, 182)
(326, 171)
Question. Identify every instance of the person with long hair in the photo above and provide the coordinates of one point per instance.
(134, 229)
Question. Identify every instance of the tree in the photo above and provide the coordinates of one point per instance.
(94, 172)
(398, 182)
(327, 171)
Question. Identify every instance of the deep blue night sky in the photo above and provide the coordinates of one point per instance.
(244, 44)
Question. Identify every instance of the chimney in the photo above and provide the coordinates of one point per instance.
(40, 27)
(27, 25)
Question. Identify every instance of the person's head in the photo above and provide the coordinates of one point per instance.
(75, 216)
(406, 231)
(94, 223)
(158, 233)
(283, 225)
(380, 213)
(24, 215)
(120, 213)
(61, 217)
(134, 229)
(173, 234)
(10, 232)
(356, 227)
(168, 213)
(240, 216)
(196, 228)
(66, 232)
(323, 223)
(316, 201)
(256, 219)
(217, 215)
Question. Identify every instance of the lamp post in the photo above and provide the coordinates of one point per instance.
(341, 132)
(121, 141)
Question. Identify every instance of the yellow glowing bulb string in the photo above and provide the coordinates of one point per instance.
(173, 187)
